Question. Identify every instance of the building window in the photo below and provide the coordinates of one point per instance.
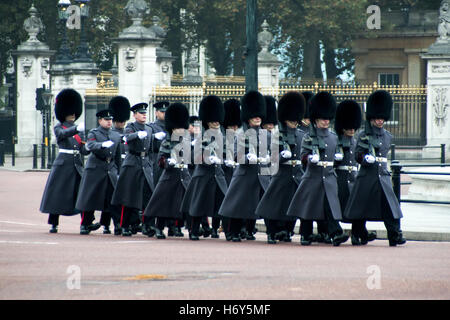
(391, 79)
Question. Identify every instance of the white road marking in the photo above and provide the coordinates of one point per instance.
(20, 223)
(27, 242)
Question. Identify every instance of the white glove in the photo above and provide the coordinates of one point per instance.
(107, 144)
(369, 158)
(264, 160)
(286, 154)
(252, 157)
(338, 156)
(214, 160)
(193, 142)
(124, 139)
(80, 127)
(171, 162)
(314, 158)
(160, 135)
(230, 163)
(142, 134)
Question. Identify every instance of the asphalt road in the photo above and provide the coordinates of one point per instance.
(35, 264)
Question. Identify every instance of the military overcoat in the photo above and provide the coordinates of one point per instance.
(136, 168)
(247, 184)
(101, 169)
(61, 189)
(373, 180)
(283, 184)
(318, 182)
(169, 192)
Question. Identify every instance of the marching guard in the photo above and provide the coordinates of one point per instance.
(120, 108)
(347, 122)
(165, 202)
(61, 189)
(100, 173)
(316, 197)
(275, 202)
(372, 197)
(135, 183)
(247, 186)
(208, 185)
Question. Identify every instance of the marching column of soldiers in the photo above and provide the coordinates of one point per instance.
(232, 164)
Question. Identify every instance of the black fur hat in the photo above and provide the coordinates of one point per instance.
(348, 116)
(253, 105)
(379, 105)
(271, 111)
(323, 106)
(307, 95)
(192, 119)
(291, 107)
(177, 116)
(120, 107)
(68, 102)
(211, 110)
(232, 113)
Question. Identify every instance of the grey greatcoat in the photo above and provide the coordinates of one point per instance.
(346, 169)
(157, 126)
(318, 181)
(101, 169)
(207, 188)
(169, 192)
(247, 185)
(136, 168)
(61, 189)
(373, 181)
(283, 184)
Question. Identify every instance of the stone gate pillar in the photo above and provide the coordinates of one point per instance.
(142, 63)
(438, 84)
(268, 63)
(33, 61)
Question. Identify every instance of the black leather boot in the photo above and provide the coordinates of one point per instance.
(54, 229)
(84, 230)
(159, 234)
(305, 240)
(214, 234)
(338, 239)
(106, 230)
(271, 238)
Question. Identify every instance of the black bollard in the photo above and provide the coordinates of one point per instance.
(35, 156)
(43, 156)
(2, 153)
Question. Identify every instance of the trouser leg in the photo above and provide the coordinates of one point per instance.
(105, 218)
(334, 227)
(195, 225)
(87, 217)
(215, 223)
(306, 227)
(53, 219)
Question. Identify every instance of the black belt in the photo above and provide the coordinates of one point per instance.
(139, 154)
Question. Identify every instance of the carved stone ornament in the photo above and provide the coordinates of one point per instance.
(440, 106)
(26, 64)
(45, 63)
(137, 9)
(444, 21)
(130, 59)
(33, 25)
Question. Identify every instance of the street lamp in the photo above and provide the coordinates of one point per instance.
(82, 54)
(63, 56)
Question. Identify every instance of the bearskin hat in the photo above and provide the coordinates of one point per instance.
(271, 111)
(348, 116)
(192, 119)
(323, 106)
(120, 107)
(379, 105)
(68, 102)
(253, 105)
(232, 113)
(291, 107)
(307, 95)
(211, 110)
(177, 116)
